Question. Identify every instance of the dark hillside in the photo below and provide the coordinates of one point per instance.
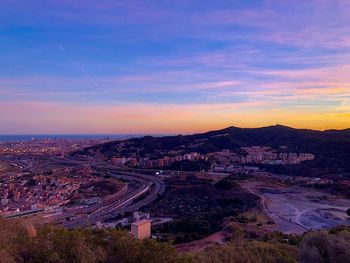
(331, 147)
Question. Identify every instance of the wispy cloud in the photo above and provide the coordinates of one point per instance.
(124, 65)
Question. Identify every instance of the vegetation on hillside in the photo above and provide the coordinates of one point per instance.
(198, 207)
(54, 244)
(331, 147)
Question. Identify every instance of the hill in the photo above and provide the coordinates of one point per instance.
(331, 147)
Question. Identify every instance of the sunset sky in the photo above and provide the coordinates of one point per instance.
(132, 66)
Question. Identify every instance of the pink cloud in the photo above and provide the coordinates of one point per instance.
(53, 118)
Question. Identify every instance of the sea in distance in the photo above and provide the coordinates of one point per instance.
(31, 137)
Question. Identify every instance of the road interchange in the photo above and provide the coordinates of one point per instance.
(150, 188)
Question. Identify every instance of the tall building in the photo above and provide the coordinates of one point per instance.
(141, 229)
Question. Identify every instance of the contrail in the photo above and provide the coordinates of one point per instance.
(78, 67)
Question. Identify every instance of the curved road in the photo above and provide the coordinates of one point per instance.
(151, 188)
(147, 189)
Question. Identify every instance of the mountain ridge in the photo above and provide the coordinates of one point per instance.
(331, 147)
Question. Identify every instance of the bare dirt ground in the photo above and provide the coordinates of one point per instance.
(199, 245)
(296, 209)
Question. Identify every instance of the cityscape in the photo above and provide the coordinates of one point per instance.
(167, 191)
(58, 187)
(165, 131)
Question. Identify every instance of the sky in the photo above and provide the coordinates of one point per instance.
(161, 66)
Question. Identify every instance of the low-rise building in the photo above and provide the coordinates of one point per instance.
(141, 229)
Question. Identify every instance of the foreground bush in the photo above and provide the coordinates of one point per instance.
(58, 245)
(324, 247)
(14, 238)
(249, 252)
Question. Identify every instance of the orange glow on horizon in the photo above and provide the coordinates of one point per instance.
(164, 119)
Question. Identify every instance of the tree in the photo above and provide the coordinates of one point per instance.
(13, 240)
(324, 247)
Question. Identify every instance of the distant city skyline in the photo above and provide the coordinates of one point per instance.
(109, 67)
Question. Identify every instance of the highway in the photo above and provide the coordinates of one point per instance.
(107, 211)
(157, 188)
(151, 187)
(14, 162)
(141, 190)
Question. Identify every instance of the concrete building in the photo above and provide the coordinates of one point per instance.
(136, 216)
(141, 229)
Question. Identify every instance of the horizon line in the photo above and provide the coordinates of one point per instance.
(166, 134)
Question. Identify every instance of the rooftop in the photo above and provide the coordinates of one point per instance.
(141, 222)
